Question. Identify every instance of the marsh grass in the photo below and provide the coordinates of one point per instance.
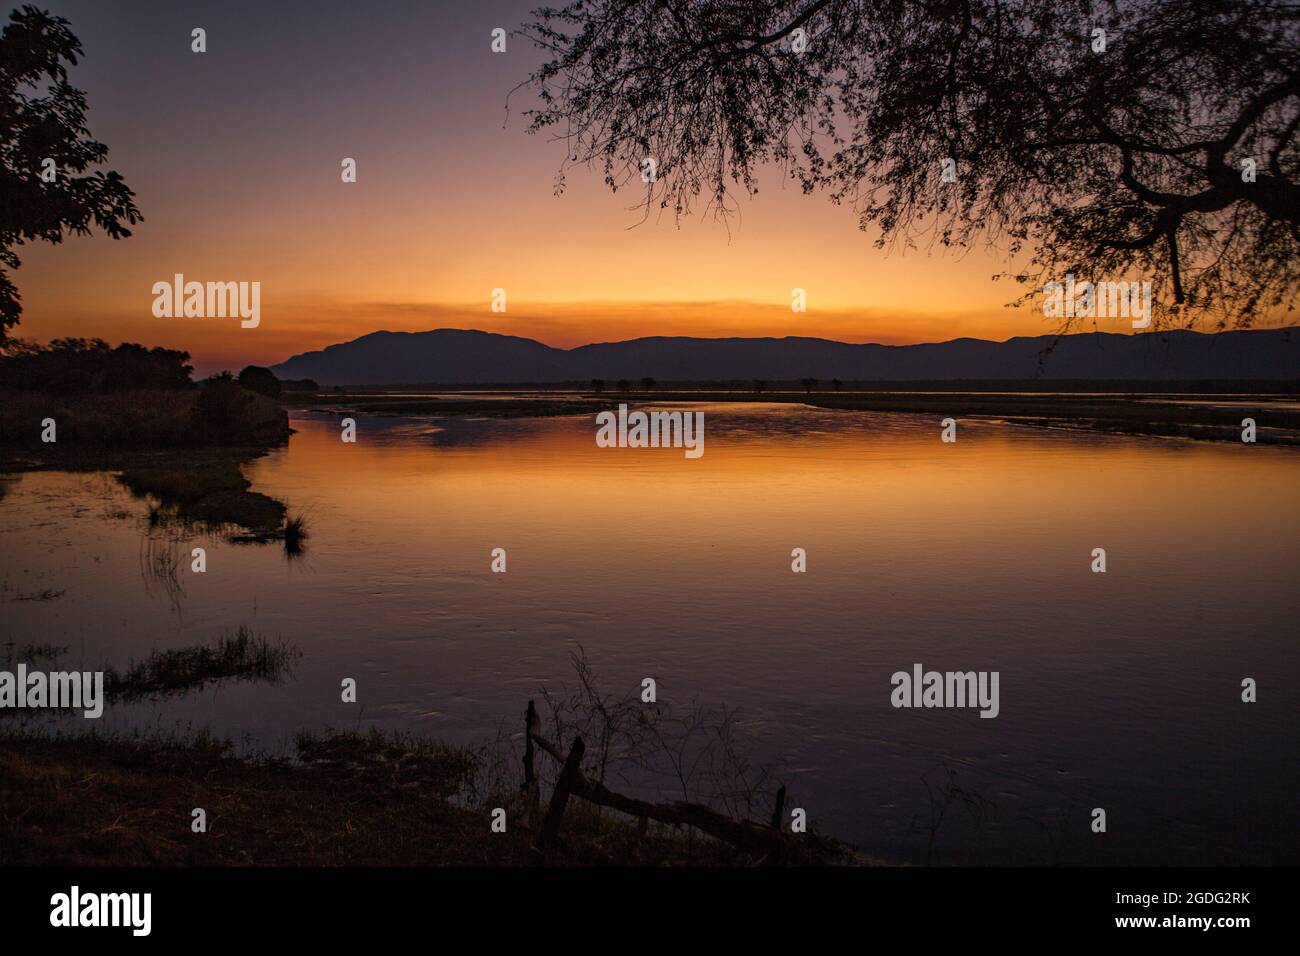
(160, 563)
(241, 656)
(295, 533)
(32, 654)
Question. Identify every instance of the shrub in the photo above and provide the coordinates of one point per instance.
(255, 378)
(221, 413)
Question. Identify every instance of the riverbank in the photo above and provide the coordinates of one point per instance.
(345, 800)
(168, 446)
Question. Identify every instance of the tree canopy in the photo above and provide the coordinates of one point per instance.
(262, 380)
(1146, 138)
(70, 365)
(43, 119)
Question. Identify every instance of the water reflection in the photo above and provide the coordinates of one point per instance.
(1118, 690)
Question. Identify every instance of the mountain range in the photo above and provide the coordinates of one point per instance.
(470, 357)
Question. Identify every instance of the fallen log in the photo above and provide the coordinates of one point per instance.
(739, 833)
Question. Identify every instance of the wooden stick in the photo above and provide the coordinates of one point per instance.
(778, 812)
(560, 799)
(739, 833)
(529, 787)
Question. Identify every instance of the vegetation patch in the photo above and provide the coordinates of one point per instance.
(242, 655)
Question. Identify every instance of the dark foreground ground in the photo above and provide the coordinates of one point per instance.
(347, 800)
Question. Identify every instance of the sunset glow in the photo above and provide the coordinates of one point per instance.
(238, 180)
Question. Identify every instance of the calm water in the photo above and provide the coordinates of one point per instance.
(1118, 690)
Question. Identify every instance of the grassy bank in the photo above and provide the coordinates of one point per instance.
(341, 798)
(346, 800)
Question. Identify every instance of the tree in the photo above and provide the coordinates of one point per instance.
(597, 385)
(1104, 138)
(624, 385)
(255, 378)
(648, 383)
(759, 385)
(808, 384)
(43, 135)
(221, 410)
(70, 365)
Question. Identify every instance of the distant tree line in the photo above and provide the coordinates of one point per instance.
(69, 366)
(72, 365)
(136, 394)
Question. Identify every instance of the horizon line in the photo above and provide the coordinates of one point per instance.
(782, 338)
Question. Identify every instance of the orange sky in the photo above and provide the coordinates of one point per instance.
(336, 261)
(235, 158)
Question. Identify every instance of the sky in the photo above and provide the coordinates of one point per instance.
(235, 153)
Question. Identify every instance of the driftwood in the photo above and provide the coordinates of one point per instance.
(741, 834)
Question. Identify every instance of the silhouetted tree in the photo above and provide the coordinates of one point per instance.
(1099, 137)
(221, 410)
(43, 118)
(69, 365)
(597, 385)
(255, 378)
(647, 383)
(300, 385)
(624, 385)
(836, 384)
(759, 385)
(808, 384)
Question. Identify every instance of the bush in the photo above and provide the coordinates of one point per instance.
(221, 413)
(255, 378)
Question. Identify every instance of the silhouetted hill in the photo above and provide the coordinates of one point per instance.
(468, 357)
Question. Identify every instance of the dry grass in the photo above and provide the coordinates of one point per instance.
(94, 801)
(352, 800)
